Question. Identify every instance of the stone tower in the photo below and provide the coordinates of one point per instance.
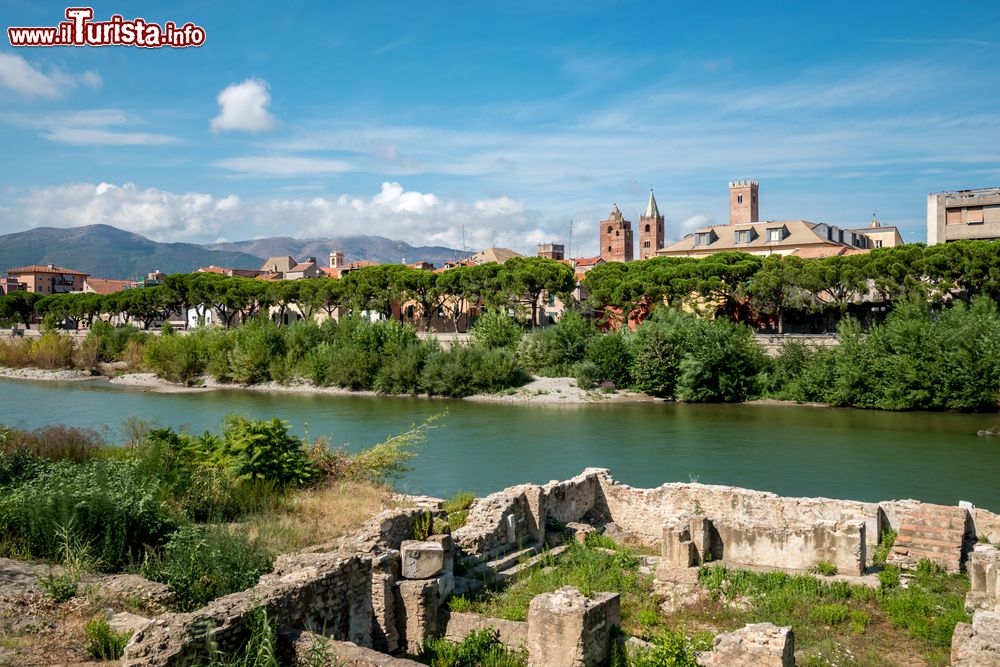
(616, 238)
(650, 229)
(743, 196)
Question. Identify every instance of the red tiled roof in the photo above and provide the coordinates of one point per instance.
(45, 268)
(108, 285)
(587, 261)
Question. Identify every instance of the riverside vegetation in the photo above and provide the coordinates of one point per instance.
(921, 357)
(206, 514)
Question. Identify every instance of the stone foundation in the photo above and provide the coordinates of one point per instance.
(376, 589)
(567, 629)
(756, 645)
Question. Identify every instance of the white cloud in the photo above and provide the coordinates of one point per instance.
(243, 107)
(419, 218)
(94, 127)
(20, 76)
(264, 166)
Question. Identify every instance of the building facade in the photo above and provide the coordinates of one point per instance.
(963, 214)
(743, 201)
(554, 251)
(48, 278)
(650, 229)
(617, 244)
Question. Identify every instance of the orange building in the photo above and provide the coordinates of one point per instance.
(49, 278)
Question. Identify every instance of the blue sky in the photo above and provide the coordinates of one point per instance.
(412, 119)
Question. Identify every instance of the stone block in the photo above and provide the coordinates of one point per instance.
(977, 644)
(448, 546)
(756, 645)
(567, 629)
(579, 531)
(421, 560)
(987, 623)
(677, 549)
(446, 585)
(418, 602)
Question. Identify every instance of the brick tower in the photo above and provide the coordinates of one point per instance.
(743, 201)
(616, 238)
(650, 229)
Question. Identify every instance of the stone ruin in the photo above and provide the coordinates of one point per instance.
(378, 594)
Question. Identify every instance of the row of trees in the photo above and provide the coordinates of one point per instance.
(747, 287)
(517, 284)
(741, 286)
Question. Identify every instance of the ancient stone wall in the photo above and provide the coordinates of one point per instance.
(326, 592)
(456, 626)
(794, 547)
(642, 513)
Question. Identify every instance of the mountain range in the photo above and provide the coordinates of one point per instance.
(108, 252)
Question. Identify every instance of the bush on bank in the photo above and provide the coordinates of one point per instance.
(920, 359)
(162, 505)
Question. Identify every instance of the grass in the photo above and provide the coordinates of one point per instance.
(589, 567)
(836, 622)
(104, 643)
(482, 648)
(824, 568)
(457, 508)
(320, 514)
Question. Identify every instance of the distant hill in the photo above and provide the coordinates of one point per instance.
(376, 248)
(108, 252)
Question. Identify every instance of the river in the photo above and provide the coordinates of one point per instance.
(483, 447)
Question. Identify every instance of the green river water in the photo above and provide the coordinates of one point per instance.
(482, 447)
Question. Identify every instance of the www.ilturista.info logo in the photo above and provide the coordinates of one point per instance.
(81, 30)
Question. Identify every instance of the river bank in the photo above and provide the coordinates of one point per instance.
(539, 390)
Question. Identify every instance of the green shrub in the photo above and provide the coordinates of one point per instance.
(109, 341)
(889, 577)
(612, 354)
(884, 547)
(496, 329)
(53, 350)
(103, 643)
(255, 347)
(830, 614)
(825, 568)
(859, 621)
(401, 373)
(463, 370)
(480, 649)
(918, 359)
(257, 449)
(110, 505)
(180, 359)
(460, 501)
(553, 351)
(587, 374)
(202, 563)
(671, 649)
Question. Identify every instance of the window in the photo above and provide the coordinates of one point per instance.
(703, 238)
(618, 233)
(775, 235)
(739, 199)
(878, 244)
(974, 215)
(744, 236)
(953, 216)
(647, 227)
(609, 229)
(609, 248)
(645, 244)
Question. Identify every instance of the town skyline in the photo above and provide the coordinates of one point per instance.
(416, 129)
